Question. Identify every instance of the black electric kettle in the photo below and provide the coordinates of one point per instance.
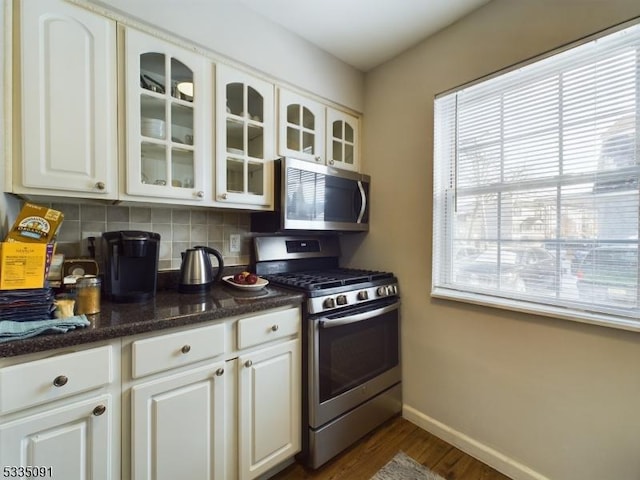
(196, 272)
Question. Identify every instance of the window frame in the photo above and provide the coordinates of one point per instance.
(445, 201)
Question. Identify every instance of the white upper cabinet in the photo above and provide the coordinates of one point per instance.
(168, 116)
(301, 124)
(245, 140)
(343, 140)
(67, 80)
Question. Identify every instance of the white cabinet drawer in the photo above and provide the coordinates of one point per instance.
(40, 381)
(265, 328)
(161, 353)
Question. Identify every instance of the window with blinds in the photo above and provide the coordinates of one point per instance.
(536, 185)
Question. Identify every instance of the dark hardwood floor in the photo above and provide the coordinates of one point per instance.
(365, 458)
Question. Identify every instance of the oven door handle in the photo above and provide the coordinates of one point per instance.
(347, 319)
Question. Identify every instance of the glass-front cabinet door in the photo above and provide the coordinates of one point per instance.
(245, 142)
(301, 124)
(167, 96)
(343, 133)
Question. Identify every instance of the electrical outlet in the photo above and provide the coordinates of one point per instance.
(234, 243)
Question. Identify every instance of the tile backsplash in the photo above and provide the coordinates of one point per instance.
(179, 228)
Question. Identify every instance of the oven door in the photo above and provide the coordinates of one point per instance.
(353, 356)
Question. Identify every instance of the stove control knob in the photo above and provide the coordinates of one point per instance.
(382, 291)
(363, 295)
(341, 299)
(329, 303)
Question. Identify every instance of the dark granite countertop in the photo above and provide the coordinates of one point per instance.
(168, 309)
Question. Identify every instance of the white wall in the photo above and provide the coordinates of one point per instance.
(232, 30)
(537, 397)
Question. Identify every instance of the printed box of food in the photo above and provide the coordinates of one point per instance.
(35, 224)
(24, 265)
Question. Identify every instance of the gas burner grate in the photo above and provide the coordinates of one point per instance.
(325, 279)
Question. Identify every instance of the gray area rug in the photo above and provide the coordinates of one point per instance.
(403, 467)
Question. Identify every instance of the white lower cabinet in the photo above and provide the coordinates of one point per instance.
(177, 425)
(269, 407)
(71, 442)
(233, 412)
(60, 414)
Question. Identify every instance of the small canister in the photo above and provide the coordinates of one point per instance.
(88, 295)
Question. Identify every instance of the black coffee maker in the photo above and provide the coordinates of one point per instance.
(130, 265)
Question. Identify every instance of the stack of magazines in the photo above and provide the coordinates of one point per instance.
(27, 304)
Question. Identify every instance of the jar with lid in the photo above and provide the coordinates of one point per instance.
(88, 294)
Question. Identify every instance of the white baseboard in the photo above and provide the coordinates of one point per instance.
(508, 466)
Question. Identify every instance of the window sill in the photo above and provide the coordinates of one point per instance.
(572, 314)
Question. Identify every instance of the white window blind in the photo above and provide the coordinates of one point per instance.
(536, 185)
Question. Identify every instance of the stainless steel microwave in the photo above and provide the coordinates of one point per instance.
(312, 197)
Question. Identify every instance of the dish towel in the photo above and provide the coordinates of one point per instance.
(10, 330)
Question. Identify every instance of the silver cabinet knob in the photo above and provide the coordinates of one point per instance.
(100, 185)
(224, 196)
(248, 363)
(186, 349)
(318, 158)
(60, 381)
(99, 410)
(220, 372)
(331, 162)
(274, 328)
(200, 194)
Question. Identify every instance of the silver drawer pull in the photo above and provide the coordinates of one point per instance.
(186, 349)
(60, 381)
(248, 363)
(220, 372)
(274, 328)
(99, 410)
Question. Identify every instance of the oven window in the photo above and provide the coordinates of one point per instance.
(352, 354)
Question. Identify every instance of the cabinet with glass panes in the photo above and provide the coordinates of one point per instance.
(311, 131)
(167, 110)
(342, 140)
(245, 139)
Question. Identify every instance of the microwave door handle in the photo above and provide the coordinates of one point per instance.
(346, 320)
(363, 204)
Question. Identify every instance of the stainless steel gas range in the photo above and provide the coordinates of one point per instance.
(351, 333)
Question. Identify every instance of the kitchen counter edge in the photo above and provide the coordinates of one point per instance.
(168, 309)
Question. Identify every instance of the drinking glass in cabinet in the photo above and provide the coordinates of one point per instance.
(182, 168)
(154, 163)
